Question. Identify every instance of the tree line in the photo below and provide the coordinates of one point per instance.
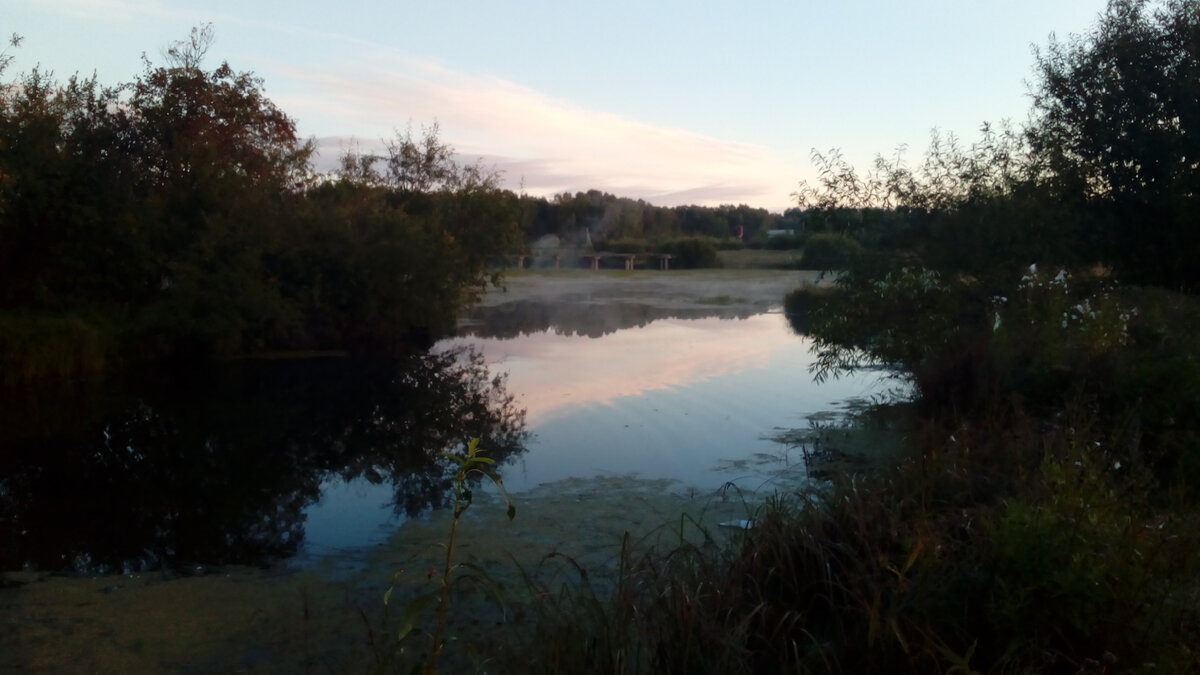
(611, 218)
(178, 215)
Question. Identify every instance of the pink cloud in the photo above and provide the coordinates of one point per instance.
(541, 143)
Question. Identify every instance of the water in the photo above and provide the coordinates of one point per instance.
(696, 400)
(263, 461)
(238, 461)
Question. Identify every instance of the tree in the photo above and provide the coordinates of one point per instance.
(217, 164)
(1116, 127)
(67, 212)
(150, 207)
(422, 164)
(396, 244)
(177, 215)
(1107, 171)
(198, 128)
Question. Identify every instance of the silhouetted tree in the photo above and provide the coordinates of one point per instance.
(1116, 128)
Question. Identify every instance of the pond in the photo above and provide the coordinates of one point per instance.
(565, 377)
(695, 400)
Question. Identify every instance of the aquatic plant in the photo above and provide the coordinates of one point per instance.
(470, 464)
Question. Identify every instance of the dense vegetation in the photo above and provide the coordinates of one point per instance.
(178, 215)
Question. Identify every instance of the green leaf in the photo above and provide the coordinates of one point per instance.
(457, 458)
(412, 611)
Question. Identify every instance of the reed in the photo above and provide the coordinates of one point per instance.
(38, 347)
(1009, 547)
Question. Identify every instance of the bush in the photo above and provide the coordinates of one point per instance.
(692, 252)
(829, 252)
(783, 242)
(630, 246)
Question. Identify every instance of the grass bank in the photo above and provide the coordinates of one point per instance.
(760, 258)
(1008, 547)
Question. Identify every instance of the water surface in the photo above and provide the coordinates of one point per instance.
(255, 462)
(696, 400)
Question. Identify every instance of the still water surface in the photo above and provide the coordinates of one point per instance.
(260, 462)
(696, 400)
(686, 399)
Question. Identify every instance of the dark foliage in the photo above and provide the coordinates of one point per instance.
(177, 216)
(1116, 128)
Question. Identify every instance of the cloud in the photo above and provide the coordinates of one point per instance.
(544, 144)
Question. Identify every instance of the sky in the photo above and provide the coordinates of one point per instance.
(671, 102)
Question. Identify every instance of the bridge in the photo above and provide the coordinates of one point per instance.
(630, 261)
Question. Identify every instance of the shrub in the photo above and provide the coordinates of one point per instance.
(783, 242)
(826, 251)
(631, 246)
(692, 252)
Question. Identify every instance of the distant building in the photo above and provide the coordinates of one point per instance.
(780, 233)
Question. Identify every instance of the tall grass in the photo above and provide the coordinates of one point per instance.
(36, 348)
(942, 562)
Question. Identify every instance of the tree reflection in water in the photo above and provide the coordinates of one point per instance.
(582, 316)
(216, 465)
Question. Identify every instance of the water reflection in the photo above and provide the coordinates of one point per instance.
(217, 466)
(252, 462)
(695, 400)
(554, 371)
(586, 316)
